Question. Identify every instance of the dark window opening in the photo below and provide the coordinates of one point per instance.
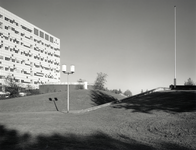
(46, 37)
(35, 31)
(41, 34)
(51, 39)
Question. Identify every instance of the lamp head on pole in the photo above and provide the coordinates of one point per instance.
(64, 68)
(72, 69)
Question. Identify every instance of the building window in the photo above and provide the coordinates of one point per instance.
(25, 28)
(51, 39)
(1, 25)
(41, 34)
(6, 28)
(17, 80)
(2, 77)
(7, 58)
(7, 19)
(35, 31)
(46, 37)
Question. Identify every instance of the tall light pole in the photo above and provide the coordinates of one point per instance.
(175, 46)
(64, 70)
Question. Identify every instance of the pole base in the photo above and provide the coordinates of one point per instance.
(174, 82)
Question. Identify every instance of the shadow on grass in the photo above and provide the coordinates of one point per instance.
(178, 101)
(11, 139)
(99, 97)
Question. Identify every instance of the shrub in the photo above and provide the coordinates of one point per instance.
(128, 93)
(12, 86)
(100, 97)
(189, 82)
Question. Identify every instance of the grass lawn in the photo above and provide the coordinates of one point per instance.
(161, 120)
(79, 99)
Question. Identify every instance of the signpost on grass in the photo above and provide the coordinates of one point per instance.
(64, 70)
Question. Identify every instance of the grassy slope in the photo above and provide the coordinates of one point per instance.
(174, 101)
(79, 99)
(121, 126)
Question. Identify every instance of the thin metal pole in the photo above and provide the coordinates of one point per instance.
(68, 93)
(175, 45)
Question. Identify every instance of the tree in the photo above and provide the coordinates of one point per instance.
(116, 91)
(100, 81)
(189, 82)
(12, 86)
(119, 91)
(128, 93)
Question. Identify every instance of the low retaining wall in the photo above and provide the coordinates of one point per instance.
(50, 88)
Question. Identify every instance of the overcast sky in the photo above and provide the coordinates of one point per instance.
(132, 41)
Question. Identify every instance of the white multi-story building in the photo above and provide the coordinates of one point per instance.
(27, 53)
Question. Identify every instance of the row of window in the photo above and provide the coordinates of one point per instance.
(15, 40)
(23, 34)
(29, 46)
(36, 31)
(27, 29)
(29, 54)
(11, 21)
(40, 74)
(31, 65)
(43, 35)
(47, 68)
(22, 26)
(28, 63)
(48, 45)
(26, 81)
(12, 39)
(9, 27)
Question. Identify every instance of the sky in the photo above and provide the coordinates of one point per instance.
(132, 41)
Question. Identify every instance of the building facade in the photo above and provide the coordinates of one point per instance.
(27, 53)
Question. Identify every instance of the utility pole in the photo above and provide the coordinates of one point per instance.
(175, 46)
